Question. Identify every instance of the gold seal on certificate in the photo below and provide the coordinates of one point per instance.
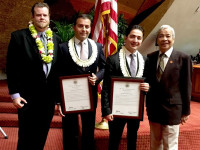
(127, 101)
(76, 94)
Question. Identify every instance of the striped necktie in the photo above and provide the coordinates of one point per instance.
(132, 66)
(160, 68)
(44, 41)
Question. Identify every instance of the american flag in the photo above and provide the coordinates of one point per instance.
(104, 29)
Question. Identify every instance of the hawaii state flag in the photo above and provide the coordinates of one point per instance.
(104, 29)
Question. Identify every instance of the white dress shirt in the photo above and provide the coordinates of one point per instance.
(78, 46)
(166, 58)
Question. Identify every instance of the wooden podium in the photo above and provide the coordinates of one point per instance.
(196, 83)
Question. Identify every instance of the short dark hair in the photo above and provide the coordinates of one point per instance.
(132, 27)
(39, 4)
(84, 16)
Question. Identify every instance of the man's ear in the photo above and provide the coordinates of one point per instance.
(73, 27)
(156, 44)
(125, 38)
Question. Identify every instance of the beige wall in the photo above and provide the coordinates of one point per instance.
(186, 22)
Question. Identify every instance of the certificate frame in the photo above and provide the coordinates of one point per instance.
(72, 102)
(120, 110)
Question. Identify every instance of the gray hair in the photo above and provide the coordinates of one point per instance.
(166, 27)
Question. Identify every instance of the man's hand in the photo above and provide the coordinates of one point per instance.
(92, 79)
(19, 102)
(144, 87)
(184, 119)
(109, 117)
(60, 110)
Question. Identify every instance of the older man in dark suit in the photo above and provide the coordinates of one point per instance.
(81, 55)
(168, 101)
(32, 78)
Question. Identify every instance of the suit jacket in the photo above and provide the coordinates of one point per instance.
(112, 69)
(168, 99)
(25, 73)
(68, 67)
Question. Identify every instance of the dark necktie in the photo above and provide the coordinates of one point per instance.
(161, 68)
(132, 66)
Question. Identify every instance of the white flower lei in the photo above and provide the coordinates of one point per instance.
(123, 66)
(77, 60)
(50, 46)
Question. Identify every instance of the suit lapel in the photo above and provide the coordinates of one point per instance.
(170, 64)
(89, 54)
(32, 49)
(89, 49)
(31, 41)
(138, 64)
(54, 54)
(155, 61)
(55, 49)
(128, 67)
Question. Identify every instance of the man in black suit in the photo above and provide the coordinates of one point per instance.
(119, 65)
(74, 62)
(32, 78)
(168, 73)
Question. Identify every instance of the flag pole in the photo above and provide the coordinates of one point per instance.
(103, 125)
(106, 35)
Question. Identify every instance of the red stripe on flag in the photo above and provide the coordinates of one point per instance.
(105, 6)
(100, 38)
(112, 35)
(113, 15)
(102, 9)
(96, 15)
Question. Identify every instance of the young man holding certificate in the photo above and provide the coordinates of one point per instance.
(79, 56)
(127, 62)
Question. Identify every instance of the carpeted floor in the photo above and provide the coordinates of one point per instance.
(188, 140)
(54, 139)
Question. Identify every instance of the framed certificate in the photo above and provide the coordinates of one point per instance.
(76, 94)
(127, 100)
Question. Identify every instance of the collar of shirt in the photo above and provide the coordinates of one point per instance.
(77, 41)
(166, 58)
(167, 53)
(39, 33)
(78, 45)
(128, 57)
